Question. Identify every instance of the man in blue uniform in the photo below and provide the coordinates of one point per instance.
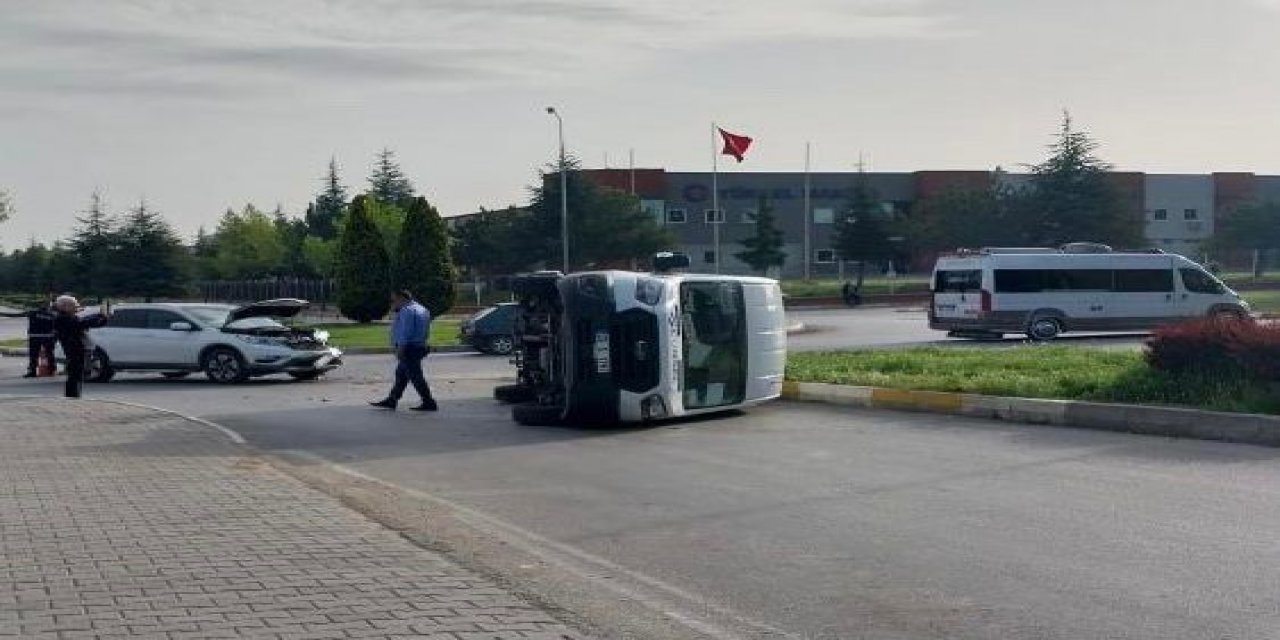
(409, 332)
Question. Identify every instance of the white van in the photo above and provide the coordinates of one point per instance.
(1044, 292)
(605, 347)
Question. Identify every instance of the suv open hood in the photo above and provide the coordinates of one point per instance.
(281, 308)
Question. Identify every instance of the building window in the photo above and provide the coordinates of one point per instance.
(749, 217)
(825, 256)
(713, 216)
(675, 216)
(1190, 214)
(1160, 214)
(824, 216)
(709, 257)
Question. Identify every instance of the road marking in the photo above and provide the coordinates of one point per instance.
(232, 435)
(563, 555)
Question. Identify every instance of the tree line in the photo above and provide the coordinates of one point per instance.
(137, 253)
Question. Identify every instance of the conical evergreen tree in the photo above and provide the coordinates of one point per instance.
(387, 183)
(323, 215)
(423, 262)
(362, 267)
(764, 248)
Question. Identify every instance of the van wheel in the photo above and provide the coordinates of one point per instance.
(513, 394)
(1044, 329)
(1228, 315)
(536, 415)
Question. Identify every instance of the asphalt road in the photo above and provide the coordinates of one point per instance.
(820, 522)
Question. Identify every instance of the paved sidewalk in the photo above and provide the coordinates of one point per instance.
(119, 522)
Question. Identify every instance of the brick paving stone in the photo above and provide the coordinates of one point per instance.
(121, 522)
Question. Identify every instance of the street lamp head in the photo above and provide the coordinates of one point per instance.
(551, 110)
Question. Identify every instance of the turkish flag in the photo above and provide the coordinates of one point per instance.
(734, 144)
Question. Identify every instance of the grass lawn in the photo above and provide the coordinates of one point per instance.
(1032, 371)
(444, 332)
(1263, 301)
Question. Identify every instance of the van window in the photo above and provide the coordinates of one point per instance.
(1197, 281)
(1019, 280)
(1144, 280)
(957, 280)
(1079, 280)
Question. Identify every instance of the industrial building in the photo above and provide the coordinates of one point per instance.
(1179, 210)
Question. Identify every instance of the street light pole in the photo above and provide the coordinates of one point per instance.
(564, 195)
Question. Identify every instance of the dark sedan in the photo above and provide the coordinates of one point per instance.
(491, 330)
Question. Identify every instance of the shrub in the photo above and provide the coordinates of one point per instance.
(1214, 346)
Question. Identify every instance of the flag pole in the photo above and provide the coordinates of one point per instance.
(715, 198)
(808, 250)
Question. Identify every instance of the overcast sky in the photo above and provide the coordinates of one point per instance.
(204, 104)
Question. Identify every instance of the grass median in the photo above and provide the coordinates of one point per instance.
(1032, 371)
(444, 333)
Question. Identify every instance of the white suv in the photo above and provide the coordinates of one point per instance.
(228, 343)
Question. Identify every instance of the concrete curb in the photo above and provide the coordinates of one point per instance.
(1172, 422)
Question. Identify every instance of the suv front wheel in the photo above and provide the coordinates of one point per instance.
(225, 366)
(98, 368)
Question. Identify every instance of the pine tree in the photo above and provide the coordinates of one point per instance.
(152, 255)
(606, 226)
(1072, 199)
(95, 248)
(362, 267)
(387, 183)
(423, 264)
(324, 214)
(764, 248)
(862, 233)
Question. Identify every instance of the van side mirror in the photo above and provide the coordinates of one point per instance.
(181, 326)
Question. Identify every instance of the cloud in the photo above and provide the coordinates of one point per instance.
(204, 49)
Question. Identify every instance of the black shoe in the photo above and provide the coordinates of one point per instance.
(28, 375)
(384, 404)
(427, 405)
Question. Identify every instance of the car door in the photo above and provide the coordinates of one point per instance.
(122, 339)
(165, 346)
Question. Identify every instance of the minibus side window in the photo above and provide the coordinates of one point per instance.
(1197, 281)
(958, 281)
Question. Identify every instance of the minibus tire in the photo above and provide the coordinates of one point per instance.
(1044, 329)
(513, 393)
(537, 415)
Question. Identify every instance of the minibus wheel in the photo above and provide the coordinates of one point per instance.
(1044, 329)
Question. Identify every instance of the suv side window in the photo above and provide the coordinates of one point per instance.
(128, 319)
(160, 319)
